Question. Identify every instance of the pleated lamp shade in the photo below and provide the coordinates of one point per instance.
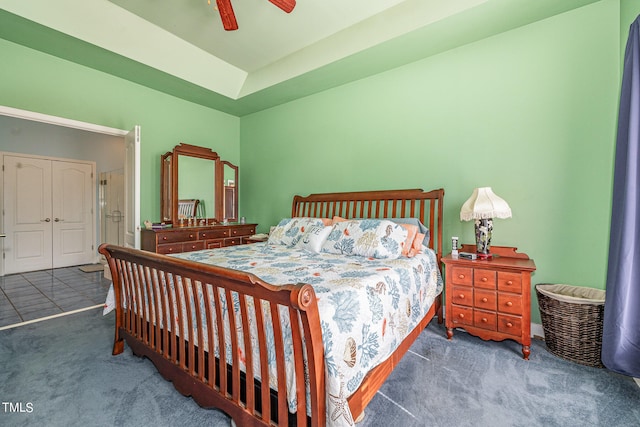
(484, 204)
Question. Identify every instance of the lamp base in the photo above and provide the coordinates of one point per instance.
(484, 227)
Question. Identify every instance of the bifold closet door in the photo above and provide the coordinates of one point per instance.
(48, 213)
(72, 210)
(27, 207)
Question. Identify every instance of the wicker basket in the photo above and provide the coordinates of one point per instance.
(572, 321)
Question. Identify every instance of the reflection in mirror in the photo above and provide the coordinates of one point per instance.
(166, 200)
(230, 176)
(196, 180)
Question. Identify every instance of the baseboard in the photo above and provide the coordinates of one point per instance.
(537, 331)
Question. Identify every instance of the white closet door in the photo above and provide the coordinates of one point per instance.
(72, 201)
(28, 218)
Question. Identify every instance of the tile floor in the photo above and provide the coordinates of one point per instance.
(37, 294)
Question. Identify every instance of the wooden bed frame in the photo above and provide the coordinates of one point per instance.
(215, 382)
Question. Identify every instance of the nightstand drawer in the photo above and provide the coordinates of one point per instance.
(485, 320)
(509, 303)
(484, 278)
(510, 282)
(462, 276)
(462, 295)
(510, 325)
(461, 315)
(484, 299)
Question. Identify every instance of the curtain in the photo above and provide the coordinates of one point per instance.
(621, 329)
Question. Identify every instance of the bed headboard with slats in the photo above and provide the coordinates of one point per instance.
(427, 206)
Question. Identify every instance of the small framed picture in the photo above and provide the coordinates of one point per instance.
(231, 183)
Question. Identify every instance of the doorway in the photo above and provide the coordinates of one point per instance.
(32, 133)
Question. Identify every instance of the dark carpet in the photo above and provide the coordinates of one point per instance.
(61, 373)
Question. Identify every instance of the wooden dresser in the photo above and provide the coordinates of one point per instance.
(490, 299)
(186, 239)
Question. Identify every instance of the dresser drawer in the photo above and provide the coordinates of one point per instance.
(176, 236)
(485, 320)
(484, 299)
(462, 276)
(172, 248)
(232, 242)
(509, 303)
(511, 325)
(462, 295)
(213, 234)
(247, 230)
(192, 246)
(510, 282)
(484, 278)
(214, 244)
(461, 315)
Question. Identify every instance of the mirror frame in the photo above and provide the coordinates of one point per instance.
(169, 181)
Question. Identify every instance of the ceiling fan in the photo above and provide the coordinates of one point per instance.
(229, 18)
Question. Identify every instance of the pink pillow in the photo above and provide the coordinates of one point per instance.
(412, 230)
(337, 219)
(327, 221)
(416, 247)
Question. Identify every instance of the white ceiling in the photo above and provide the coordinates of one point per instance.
(316, 42)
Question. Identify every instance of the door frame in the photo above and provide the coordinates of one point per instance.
(64, 122)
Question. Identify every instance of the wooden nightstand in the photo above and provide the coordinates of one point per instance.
(490, 299)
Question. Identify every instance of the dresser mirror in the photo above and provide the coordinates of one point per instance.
(197, 186)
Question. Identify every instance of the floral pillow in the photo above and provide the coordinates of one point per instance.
(366, 237)
(313, 238)
(290, 230)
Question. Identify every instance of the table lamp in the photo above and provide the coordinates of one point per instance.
(483, 206)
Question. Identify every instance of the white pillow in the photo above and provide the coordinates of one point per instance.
(290, 230)
(313, 238)
(366, 237)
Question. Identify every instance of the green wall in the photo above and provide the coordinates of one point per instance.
(530, 112)
(45, 84)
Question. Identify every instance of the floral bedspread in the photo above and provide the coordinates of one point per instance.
(367, 306)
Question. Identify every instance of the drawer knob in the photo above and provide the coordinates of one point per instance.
(190, 236)
(461, 315)
(204, 234)
(484, 279)
(170, 249)
(461, 276)
(235, 231)
(484, 300)
(461, 296)
(509, 282)
(509, 325)
(509, 303)
(164, 237)
(484, 320)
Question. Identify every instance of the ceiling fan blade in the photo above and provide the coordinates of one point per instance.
(286, 5)
(226, 14)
